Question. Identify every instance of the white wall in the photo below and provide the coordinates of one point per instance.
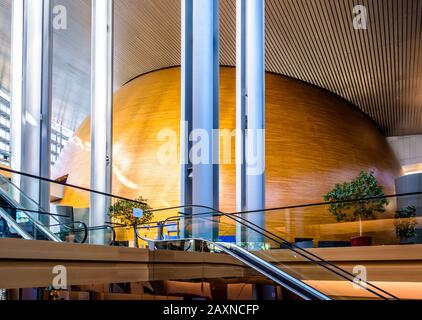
(408, 150)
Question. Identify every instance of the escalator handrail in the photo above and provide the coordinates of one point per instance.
(15, 225)
(295, 286)
(320, 261)
(302, 252)
(103, 227)
(26, 236)
(85, 227)
(67, 225)
(68, 185)
(14, 203)
(200, 206)
(323, 263)
(41, 210)
(39, 225)
(258, 264)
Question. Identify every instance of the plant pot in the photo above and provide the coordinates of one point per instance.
(333, 244)
(305, 244)
(361, 241)
(407, 241)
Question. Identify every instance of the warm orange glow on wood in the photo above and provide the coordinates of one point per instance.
(314, 140)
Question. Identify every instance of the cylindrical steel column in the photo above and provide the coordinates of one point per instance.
(200, 111)
(186, 118)
(101, 112)
(16, 90)
(251, 113)
(31, 98)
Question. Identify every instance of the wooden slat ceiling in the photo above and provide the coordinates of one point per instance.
(378, 69)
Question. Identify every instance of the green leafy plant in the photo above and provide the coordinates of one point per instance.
(406, 223)
(364, 186)
(122, 212)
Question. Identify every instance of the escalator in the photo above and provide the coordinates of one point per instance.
(21, 217)
(283, 279)
(295, 269)
(259, 265)
(269, 255)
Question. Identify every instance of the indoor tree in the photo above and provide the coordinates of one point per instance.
(406, 223)
(122, 212)
(365, 190)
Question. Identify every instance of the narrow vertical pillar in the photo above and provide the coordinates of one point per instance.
(200, 82)
(240, 116)
(31, 97)
(205, 190)
(251, 106)
(46, 104)
(16, 90)
(101, 111)
(186, 118)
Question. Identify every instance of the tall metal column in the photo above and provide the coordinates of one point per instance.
(251, 114)
(200, 72)
(31, 96)
(46, 103)
(101, 111)
(186, 117)
(16, 90)
(240, 116)
(206, 112)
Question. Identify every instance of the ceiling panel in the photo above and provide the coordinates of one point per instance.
(72, 65)
(71, 61)
(5, 16)
(378, 69)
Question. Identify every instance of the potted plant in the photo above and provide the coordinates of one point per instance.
(405, 224)
(364, 186)
(122, 211)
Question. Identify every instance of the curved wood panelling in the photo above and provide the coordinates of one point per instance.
(314, 139)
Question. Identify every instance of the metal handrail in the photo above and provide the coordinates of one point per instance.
(323, 263)
(85, 227)
(103, 227)
(67, 225)
(305, 253)
(11, 200)
(278, 276)
(206, 207)
(300, 251)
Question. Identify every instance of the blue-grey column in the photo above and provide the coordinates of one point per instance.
(101, 112)
(251, 62)
(186, 117)
(36, 102)
(205, 101)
